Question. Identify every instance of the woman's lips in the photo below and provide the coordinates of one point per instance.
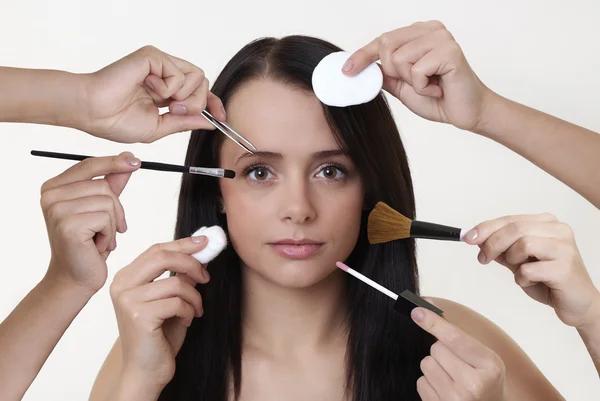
(297, 249)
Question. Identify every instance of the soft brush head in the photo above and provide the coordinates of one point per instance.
(217, 241)
(386, 224)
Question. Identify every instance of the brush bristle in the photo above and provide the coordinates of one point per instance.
(229, 174)
(386, 224)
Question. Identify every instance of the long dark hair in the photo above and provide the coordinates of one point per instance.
(384, 348)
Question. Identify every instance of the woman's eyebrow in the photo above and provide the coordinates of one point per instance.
(265, 155)
(329, 153)
(273, 155)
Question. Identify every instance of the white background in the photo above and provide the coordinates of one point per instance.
(543, 53)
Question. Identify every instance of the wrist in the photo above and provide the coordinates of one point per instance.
(55, 283)
(492, 112)
(591, 323)
(79, 113)
(132, 386)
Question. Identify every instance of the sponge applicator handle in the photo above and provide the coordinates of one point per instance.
(217, 241)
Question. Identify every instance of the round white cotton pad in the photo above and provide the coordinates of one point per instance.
(334, 88)
(217, 241)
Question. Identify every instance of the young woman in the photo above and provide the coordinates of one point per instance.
(275, 318)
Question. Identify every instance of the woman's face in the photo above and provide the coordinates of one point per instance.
(294, 206)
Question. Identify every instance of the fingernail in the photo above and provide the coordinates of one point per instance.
(417, 314)
(348, 65)
(133, 161)
(224, 113)
(124, 225)
(149, 85)
(481, 257)
(199, 240)
(472, 235)
(179, 110)
(206, 274)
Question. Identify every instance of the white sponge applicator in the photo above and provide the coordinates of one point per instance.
(217, 241)
(334, 88)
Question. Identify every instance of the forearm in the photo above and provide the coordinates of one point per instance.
(30, 333)
(131, 388)
(590, 334)
(42, 97)
(566, 151)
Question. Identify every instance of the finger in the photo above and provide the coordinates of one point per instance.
(165, 77)
(214, 104)
(405, 57)
(425, 390)
(529, 248)
(164, 309)
(195, 103)
(162, 261)
(455, 367)
(188, 279)
(160, 258)
(393, 85)
(215, 107)
(502, 239)
(550, 273)
(423, 74)
(386, 44)
(117, 183)
(436, 375)
(169, 123)
(94, 167)
(84, 189)
(462, 345)
(91, 204)
(168, 288)
(480, 233)
(85, 226)
(194, 78)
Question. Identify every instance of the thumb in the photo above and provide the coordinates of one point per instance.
(117, 182)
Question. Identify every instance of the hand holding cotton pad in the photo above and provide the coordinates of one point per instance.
(334, 88)
(217, 241)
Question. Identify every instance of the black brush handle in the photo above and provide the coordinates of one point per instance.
(164, 167)
(55, 155)
(421, 229)
(145, 165)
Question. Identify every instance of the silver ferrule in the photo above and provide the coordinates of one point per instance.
(213, 172)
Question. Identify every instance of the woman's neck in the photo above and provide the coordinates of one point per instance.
(292, 320)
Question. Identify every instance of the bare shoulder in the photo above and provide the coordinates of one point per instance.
(108, 374)
(524, 381)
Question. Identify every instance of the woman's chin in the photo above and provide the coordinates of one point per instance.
(296, 273)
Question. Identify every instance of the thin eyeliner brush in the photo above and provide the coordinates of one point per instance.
(212, 172)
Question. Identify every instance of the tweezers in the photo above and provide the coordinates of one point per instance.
(232, 134)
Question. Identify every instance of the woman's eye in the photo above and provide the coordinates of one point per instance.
(331, 172)
(259, 174)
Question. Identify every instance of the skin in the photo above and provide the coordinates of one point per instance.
(120, 102)
(293, 317)
(83, 219)
(423, 67)
(426, 70)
